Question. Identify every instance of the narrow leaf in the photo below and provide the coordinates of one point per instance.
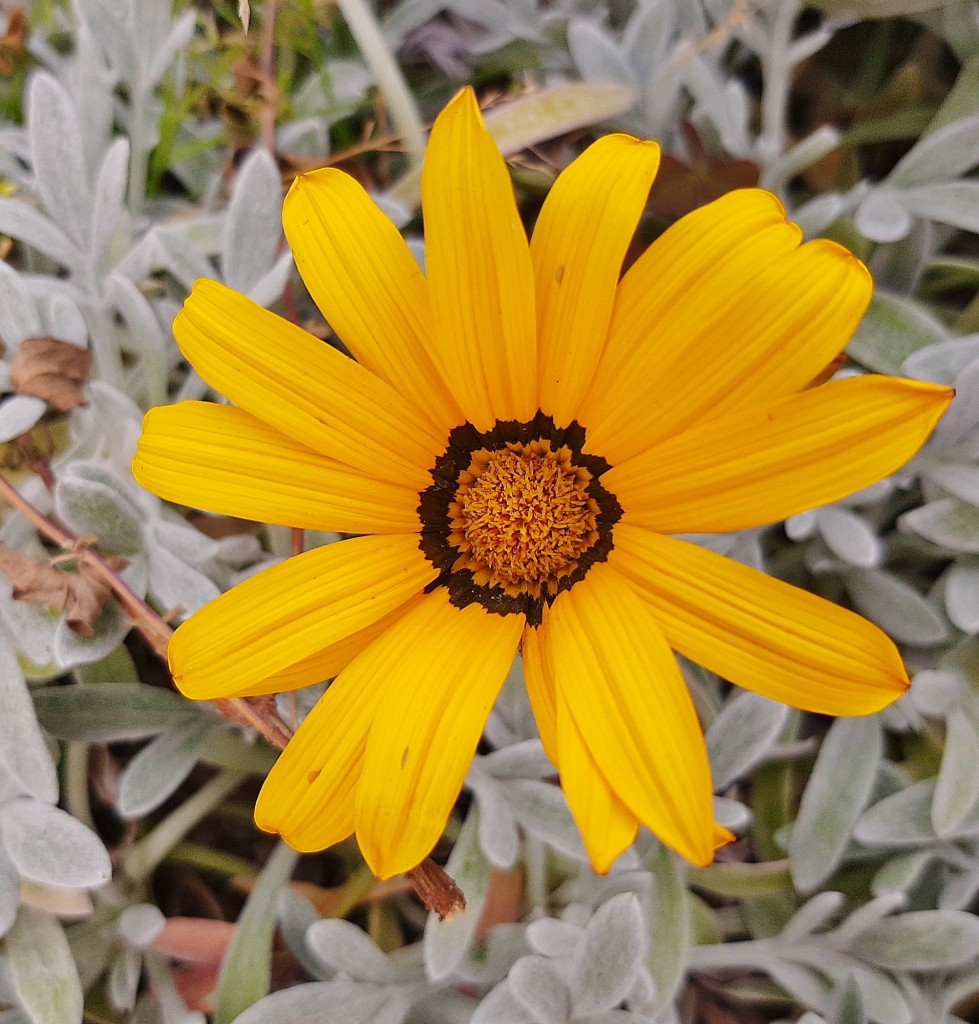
(247, 969)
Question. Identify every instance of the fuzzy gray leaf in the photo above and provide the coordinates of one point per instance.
(159, 768)
(9, 891)
(943, 362)
(42, 969)
(500, 1005)
(901, 873)
(71, 649)
(954, 202)
(882, 218)
(949, 522)
(122, 982)
(741, 735)
(18, 315)
(345, 947)
(961, 481)
(552, 937)
(542, 810)
(892, 330)
(498, 835)
(836, 793)
(325, 1002)
(91, 501)
(896, 607)
(669, 927)
(849, 537)
(58, 158)
(962, 596)
(48, 846)
(957, 788)
(140, 924)
(597, 55)
(23, 752)
(18, 414)
(609, 955)
(540, 990)
(923, 940)
(178, 36)
(901, 820)
(940, 155)
(109, 214)
(252, 226)
(31, 227)
(524, 760)
(269, 287)
(177, 585)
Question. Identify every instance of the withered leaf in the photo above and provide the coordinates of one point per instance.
(79, 593)
(51, 369)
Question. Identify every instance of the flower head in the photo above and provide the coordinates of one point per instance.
(518, 439)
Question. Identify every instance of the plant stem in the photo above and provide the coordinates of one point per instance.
(145, 855)
(367, 34)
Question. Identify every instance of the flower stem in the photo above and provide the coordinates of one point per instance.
(374, 48)
(145, 855)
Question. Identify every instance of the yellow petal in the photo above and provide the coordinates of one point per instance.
(624, 690)
(303, 387)
(724, 310)
(309, 796)
(768, 462)
(759, 632)
(606, 825)
(223, 459)
(579, 242)
(332, 660)
(235, 645)
(539, 678)
(368, 285)
(446, 668)
(480, 277)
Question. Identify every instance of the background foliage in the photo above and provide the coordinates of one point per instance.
(136, 154)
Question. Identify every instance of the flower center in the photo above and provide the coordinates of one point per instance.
(515, 514)
(522, 517)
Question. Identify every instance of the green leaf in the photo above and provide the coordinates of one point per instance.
(669, 927)
(246, 973)
(111, 712)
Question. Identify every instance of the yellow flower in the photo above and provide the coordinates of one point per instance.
(519, 437)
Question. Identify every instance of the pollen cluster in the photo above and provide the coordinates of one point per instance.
(522, 517)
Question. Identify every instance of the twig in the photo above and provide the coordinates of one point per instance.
(267, 111)
(436, 890)
(153, 629)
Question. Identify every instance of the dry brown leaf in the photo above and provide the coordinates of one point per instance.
(12, 48)
(81, 595)
(51, 369)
